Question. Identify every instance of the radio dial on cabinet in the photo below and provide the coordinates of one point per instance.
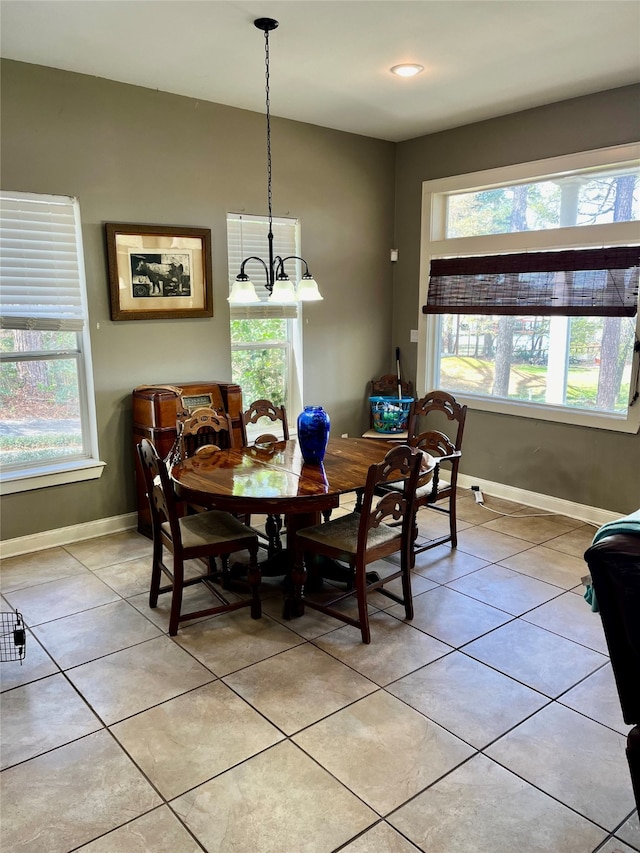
(197, 402)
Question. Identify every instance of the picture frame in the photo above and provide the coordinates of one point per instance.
(159, 272)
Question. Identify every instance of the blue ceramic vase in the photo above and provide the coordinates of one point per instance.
(313, 434)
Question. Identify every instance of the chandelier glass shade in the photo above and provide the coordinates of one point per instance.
(278, 284)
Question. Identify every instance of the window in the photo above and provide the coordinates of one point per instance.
(529, 288)
(266, 340)
(47, 421)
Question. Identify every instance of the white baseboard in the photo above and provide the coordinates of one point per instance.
(588, 514)
(67, 535)
(118, 523)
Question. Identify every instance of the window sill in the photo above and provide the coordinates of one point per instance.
(12, 482)
(575, 417)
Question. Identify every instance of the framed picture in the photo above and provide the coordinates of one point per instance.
(159, 272)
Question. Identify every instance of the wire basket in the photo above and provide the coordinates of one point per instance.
(390, 414)
(13, 637)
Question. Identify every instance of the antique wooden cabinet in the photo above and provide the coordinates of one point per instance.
(155, 408)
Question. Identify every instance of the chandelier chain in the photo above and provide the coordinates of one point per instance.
(268, 103)
(277, 281)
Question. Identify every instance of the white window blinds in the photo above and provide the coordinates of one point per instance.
(41, 275)
(247, 236)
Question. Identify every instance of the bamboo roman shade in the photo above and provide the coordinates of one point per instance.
(581, 282)
(42, 284)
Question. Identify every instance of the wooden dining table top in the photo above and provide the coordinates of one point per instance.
(275, 478)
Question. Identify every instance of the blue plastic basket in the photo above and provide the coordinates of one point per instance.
(390, 414)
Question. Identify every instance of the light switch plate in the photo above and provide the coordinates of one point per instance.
(414, 336)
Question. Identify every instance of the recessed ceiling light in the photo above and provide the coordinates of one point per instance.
(407, 69)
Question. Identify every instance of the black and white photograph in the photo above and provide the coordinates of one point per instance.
(160, 274)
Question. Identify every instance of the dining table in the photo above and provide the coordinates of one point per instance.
(273, 478)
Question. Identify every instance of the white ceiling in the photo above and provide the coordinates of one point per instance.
(330, 58)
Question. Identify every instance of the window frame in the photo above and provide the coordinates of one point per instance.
(434, 244)
(293, 343)
(63, 469)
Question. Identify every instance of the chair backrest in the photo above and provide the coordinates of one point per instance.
(387, 386)
(264, 409)
(204, 427)
(434, 442)
(445, 404)
(400, 463)
(162, 500)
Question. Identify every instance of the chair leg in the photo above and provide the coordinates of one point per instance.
(254, 582)
(273, 526)
(407, 557)
(453, 527)
(226, 574)
(414, 539)
(361, 597)
(176, 596)
(294, 604)
(156, 573)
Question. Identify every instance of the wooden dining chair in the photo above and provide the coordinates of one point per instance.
(197, 431)
(203, 427)
(202, 536)
(257, 413)
(440, 494)
(265, 409)
(360, 538)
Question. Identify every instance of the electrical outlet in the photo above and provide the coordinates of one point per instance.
(477, 494)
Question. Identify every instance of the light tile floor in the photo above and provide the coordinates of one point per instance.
(489, 724)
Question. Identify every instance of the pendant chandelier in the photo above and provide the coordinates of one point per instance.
(280, 287)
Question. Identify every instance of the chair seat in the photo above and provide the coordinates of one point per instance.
(424, 491)
(208, 528)
(342, 534)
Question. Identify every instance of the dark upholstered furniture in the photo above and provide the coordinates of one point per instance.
(614, 565)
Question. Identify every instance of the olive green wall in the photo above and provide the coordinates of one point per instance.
(594, 467)
(140, 156)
